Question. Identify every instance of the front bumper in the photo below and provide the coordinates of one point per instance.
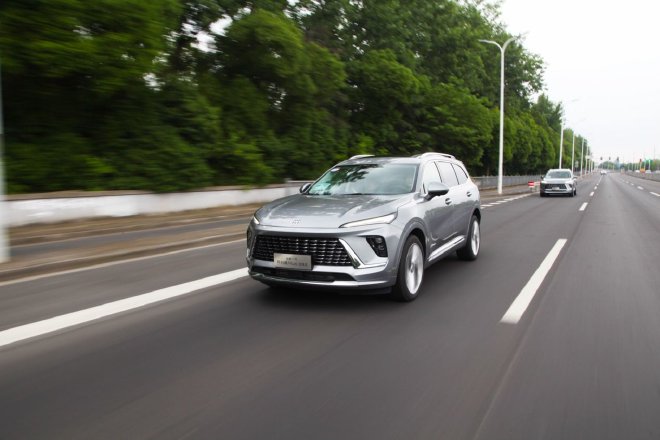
(365, 271)
(557, 188)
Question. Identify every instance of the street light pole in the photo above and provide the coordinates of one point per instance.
(4, 249)
(561, 142)
(581, 157)
(573, 154)
(500, 164)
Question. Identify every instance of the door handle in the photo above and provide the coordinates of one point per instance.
(447, 201)
(469, 193)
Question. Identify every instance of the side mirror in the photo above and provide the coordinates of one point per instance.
(305, 187)
(437, 189)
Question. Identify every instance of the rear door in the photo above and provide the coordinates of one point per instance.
(468, 194)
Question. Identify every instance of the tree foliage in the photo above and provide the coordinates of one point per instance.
(180, 94)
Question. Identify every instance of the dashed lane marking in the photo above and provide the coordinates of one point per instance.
(526, 295)
(62, 322)
(114, 263)
(500, 202)
(584, 206)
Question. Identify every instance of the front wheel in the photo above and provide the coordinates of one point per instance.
(470, 251)
(411, 271)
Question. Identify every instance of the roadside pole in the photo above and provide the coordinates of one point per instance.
(4, 244)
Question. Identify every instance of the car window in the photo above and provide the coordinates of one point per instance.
(430, 175)
(460, 173)
(559, 175)
(447, 173)
(376, 179)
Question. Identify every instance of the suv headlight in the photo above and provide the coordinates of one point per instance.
(371, 221)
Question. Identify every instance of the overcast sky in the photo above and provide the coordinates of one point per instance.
(605, 55)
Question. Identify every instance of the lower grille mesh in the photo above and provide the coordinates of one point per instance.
(324, 251)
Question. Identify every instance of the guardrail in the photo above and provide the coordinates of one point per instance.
(646, 176)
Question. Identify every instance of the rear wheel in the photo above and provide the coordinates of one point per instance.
(470, 251)
(411, 271)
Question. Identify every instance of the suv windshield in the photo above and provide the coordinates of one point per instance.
(559, 175)
(377, 179)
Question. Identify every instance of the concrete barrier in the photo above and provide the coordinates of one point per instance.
(51, 208)
(28, 209)
(489, 182)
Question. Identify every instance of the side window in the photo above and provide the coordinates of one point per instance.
(460, 173)
(430, 175)
(447, 173)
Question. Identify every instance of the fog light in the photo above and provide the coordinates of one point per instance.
(377, 243)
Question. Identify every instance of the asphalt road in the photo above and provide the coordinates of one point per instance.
(237, 361)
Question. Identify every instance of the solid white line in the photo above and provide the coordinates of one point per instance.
(114, 263)
(61, 322)
(639, 187)
(592, 194)
(524, 298)
(657, 195)
(584, 206)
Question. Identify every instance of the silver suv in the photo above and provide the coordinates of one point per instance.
(368, 223)
(559, 181)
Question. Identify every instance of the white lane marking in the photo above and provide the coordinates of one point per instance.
(639, 187)
(592, 194)
(114, 263)
(656, 194)
(595, 188)
(524, 298)
(584, 206)
(61, 322)
(499, 202)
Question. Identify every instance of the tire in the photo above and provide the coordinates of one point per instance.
(542, 194)
(470, 251)
(411, 271)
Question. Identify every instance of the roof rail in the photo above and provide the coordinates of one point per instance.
(360, 156)
(425, 155)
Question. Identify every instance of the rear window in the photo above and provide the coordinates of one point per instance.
(461, 174)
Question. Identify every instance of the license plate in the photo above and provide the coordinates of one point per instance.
(291, 261)
(555, 187)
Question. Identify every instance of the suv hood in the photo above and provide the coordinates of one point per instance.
(306, 211)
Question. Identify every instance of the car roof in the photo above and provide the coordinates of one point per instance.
(369, 159)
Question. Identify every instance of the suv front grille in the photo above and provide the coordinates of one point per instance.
(324, 251)
(553, 185)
